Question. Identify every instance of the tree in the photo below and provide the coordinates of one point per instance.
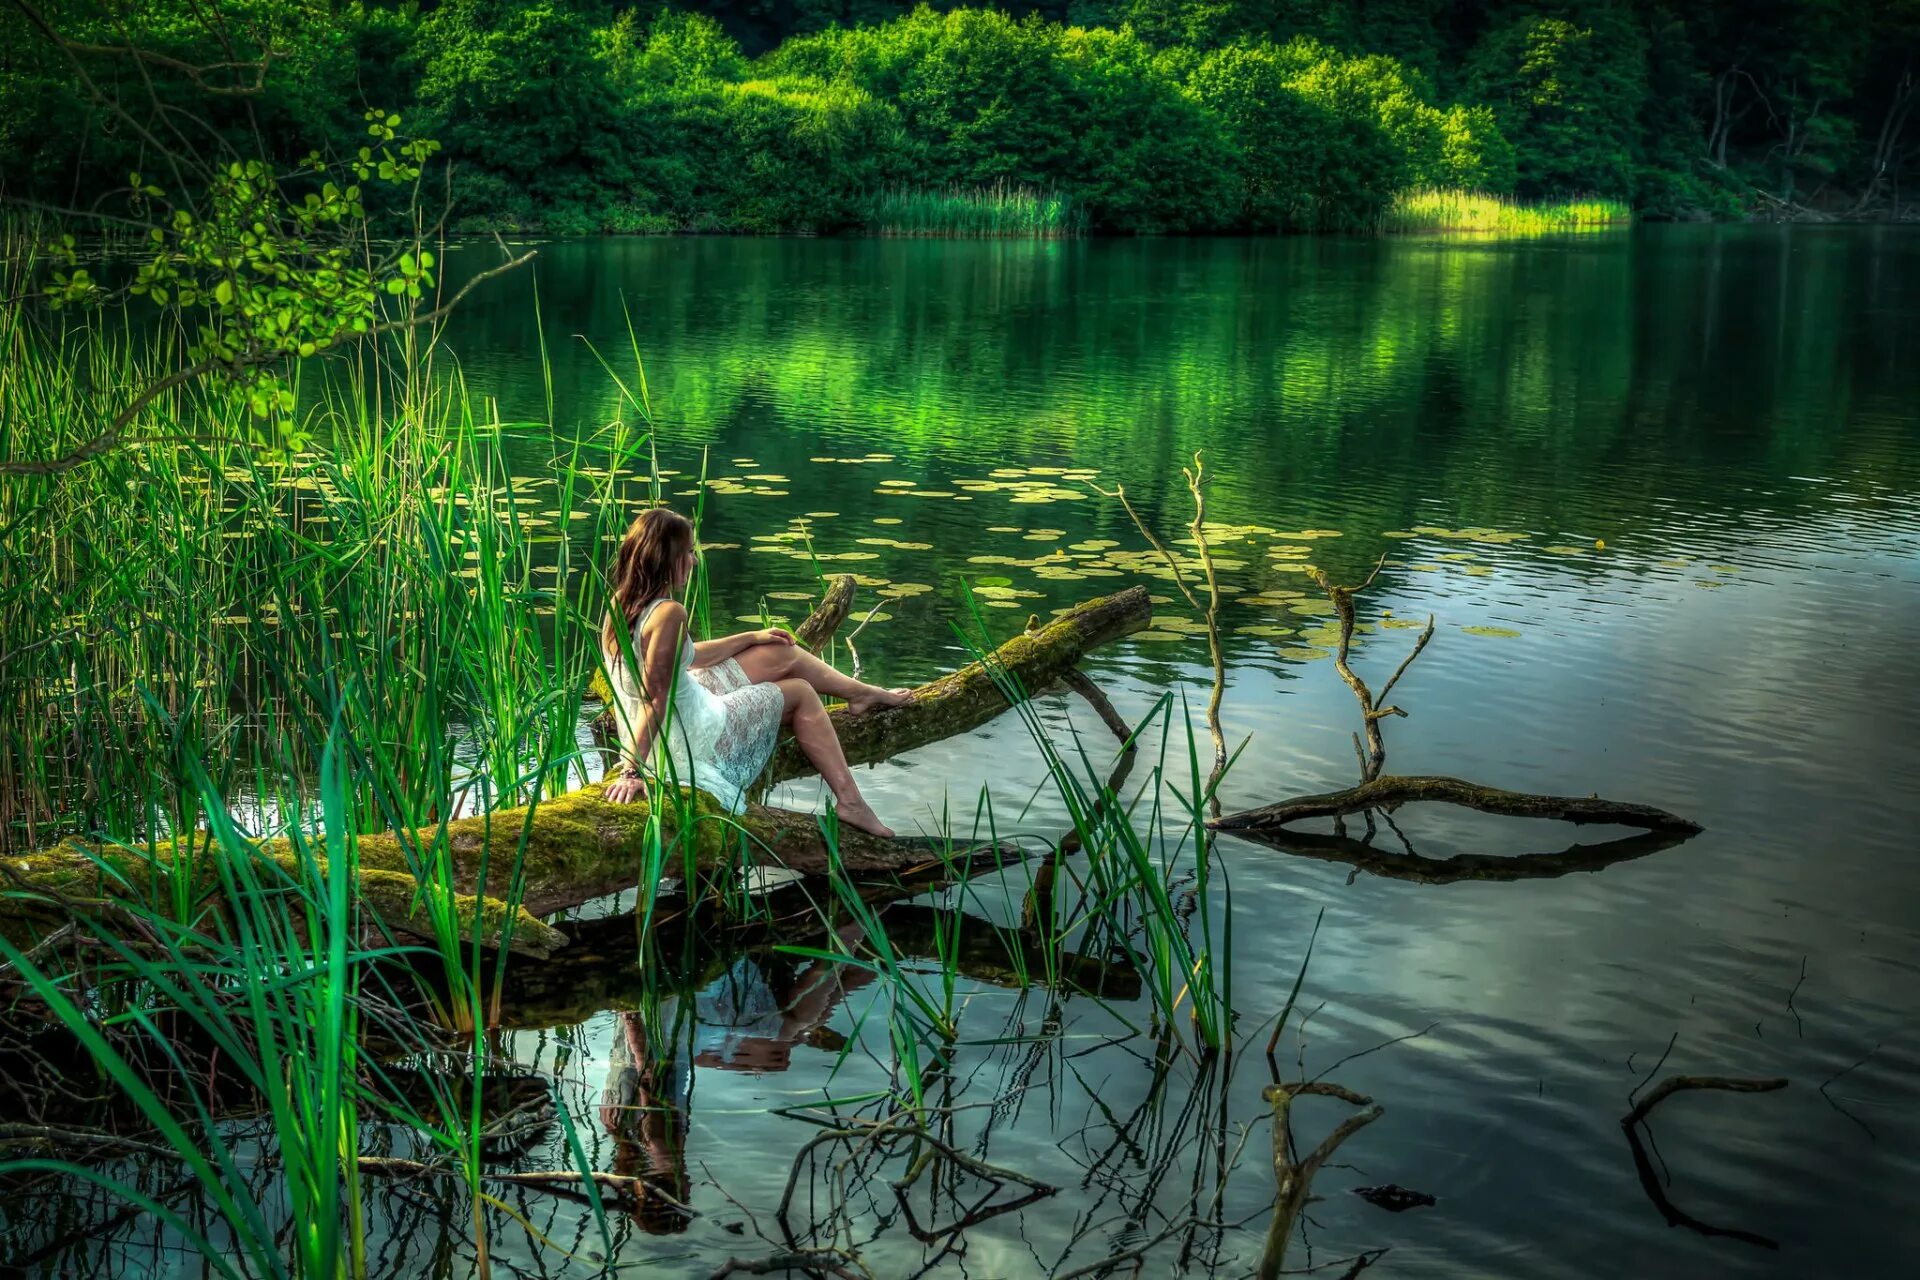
(1568, 96)
(252, 266)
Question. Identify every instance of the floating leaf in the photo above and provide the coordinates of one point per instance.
(1504, 633)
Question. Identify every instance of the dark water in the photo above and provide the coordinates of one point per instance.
(1661, 492)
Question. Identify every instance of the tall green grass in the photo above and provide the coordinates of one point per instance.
(1004, 210)
(206, 645)
(1423, 210)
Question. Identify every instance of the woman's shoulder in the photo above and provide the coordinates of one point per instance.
(663, 614)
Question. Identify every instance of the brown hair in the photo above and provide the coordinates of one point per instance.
(643, 569)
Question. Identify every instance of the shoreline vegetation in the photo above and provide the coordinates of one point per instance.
(1099, 117)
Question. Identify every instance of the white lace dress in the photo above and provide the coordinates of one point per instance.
(721, 728)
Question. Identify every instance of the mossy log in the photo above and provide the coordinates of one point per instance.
(578, 847)
(1038, 657)
(1390, 790)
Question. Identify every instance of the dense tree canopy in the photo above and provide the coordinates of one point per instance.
(1150, 115)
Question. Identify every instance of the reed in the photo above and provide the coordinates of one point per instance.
(1430, 210)
(1005, 210)
(204, 646)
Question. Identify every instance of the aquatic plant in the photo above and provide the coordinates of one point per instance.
(1427, 210)
(1004, 210)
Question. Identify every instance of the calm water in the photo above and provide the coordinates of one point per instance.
(1661, 492)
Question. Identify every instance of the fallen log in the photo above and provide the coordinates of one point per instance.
(1390, 790)
(576, 847)
(969, 697)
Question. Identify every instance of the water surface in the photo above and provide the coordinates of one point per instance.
(1660, 492)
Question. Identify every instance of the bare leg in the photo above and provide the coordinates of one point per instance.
(814, 732)
(770, 663)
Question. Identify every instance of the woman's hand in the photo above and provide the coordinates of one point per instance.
(773, 635)
(625, 787)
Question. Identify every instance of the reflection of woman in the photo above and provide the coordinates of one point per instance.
(744, 1021)
(644, 1111)
(750, 1019)
(728, 696)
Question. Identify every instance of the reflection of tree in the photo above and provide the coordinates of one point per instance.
(1478, 364)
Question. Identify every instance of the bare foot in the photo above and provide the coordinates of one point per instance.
(858, 813)
(878, 699)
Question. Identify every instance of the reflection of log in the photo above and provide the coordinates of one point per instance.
(1465, 866)
(1650, 1182)
(578, 847)
(607, 975)
(1393, 789)
(969, 698)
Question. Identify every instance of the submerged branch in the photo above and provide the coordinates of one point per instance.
(1394, 789)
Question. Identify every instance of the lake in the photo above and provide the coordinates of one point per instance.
(1660, 492)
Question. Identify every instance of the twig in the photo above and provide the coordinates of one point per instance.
(1294, 1179)
(558, 1182)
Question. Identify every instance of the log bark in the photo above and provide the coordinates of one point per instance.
(1396, 789)
(578, 847)
(969, 697)
(819, 626)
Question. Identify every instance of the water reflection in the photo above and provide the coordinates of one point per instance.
(749, 1019)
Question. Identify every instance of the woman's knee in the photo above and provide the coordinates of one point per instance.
(767, 663)
(802, 698)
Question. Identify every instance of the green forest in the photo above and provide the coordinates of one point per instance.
(1119, 116)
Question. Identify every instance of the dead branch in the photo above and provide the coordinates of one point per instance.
(1373, 757)
(563, 1182)
(1294, 1179)
(1102, 705)
(1394, 789)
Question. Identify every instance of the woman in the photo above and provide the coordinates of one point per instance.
(728, 697)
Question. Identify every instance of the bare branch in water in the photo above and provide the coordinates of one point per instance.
(1631, 1124)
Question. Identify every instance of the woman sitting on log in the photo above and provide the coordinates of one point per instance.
(727, 697)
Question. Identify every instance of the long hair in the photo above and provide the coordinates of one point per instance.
(643, 569)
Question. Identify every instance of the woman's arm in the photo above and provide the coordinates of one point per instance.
(708, 652)
(659, 658)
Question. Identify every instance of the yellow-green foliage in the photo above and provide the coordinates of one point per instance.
(1436, 209)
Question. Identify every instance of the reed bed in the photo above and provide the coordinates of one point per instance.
(1005, 210)
(1430, 210)
(207, 645)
